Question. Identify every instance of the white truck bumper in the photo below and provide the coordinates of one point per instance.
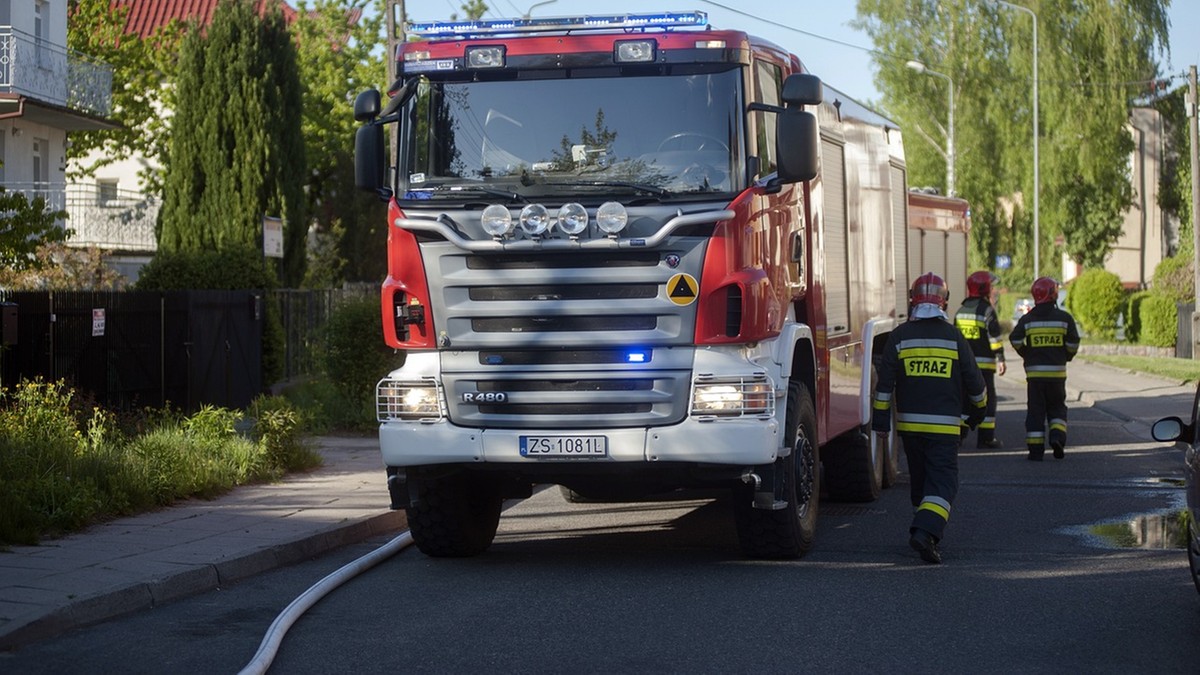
(738, 442)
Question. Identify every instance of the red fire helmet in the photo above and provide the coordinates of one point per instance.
(1044, 289)
(979, 284)
(929, 288)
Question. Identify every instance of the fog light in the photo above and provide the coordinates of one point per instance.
(535, 219)
(572, 218)
(635, 51)
(496, 220)
(485, 57)
(611, 217)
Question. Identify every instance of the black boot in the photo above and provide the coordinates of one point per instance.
(922, 542)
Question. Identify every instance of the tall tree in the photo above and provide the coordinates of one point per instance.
(1093, 58)
(236, 150)
(339, 54)
(141, 69)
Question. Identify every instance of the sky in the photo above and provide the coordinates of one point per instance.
(817, 31)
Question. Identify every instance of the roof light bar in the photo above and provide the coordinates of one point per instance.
(455, 29)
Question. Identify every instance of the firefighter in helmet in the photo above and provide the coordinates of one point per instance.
(928, 373)
(1046, 338)
(976, 320)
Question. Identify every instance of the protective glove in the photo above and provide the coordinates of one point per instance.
(975, 417)
(881, 421)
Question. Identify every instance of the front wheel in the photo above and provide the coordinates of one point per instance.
(786, 532)
(453, 515)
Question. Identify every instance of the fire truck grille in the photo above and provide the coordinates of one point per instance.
(565, 339)
(563, 323)
(567, 399)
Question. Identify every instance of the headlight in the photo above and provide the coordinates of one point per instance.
(611, 217)
(535, 219)
(496, 220)
(407, 401)
(752, 396)
(572, 218)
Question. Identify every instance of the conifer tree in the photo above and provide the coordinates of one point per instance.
(236, 152)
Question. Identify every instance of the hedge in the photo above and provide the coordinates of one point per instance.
(1095, 300)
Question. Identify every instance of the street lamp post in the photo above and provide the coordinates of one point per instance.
(1036, 182)
(529, 11)
(924, 70)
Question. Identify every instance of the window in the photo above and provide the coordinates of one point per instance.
(41, 161)
(768, 88)
(106, 191)
(41, 31)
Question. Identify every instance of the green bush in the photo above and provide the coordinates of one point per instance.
(1174, 279)
(1095, 299)
(1133, 315)
(277, 427)
(64, 465)
(1158, 321)
(233, 269)
(355, 356)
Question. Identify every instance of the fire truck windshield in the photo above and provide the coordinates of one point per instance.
(672, 136)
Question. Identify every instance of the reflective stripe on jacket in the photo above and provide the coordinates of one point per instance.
(928, 372)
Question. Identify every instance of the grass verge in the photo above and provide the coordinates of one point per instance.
(1183, 370)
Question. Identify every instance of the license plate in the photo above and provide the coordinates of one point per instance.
(564, 446)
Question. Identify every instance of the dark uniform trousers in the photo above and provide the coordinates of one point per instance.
(1047, 401)
(986, 431)
(933, 470)
(930, 369)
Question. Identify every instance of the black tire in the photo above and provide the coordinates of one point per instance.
(789, 532)
(854, 469)
(455, 515)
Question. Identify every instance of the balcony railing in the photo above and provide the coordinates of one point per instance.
(54, 74)
(99, 215)
(109, 218)
(52, 192)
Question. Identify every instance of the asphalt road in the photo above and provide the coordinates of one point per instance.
(1028, 586)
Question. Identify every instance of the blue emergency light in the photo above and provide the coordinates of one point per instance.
(459, 29)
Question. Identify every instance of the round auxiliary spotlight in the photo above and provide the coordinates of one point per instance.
(496, 220)
(572, 218)
(535, 219)
(611, 217)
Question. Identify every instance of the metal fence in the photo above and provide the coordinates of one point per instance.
(304, 314)
(130, 349)
(133, 349)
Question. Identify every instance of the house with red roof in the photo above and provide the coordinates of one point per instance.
(112, 209)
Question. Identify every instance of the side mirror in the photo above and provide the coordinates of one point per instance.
(1170, 429)
(802, 89)
(796, 143)
(369, 162)
(366, 105)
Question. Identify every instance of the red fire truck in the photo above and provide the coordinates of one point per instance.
(629, 254)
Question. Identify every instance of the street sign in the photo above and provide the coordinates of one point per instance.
(272, 237)
(1003, 261)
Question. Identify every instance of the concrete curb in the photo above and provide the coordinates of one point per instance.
(139, 596)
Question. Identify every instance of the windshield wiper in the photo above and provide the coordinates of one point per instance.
(425, 192)
(641, 187)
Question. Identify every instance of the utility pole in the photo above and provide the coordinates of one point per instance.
(396, 20)
(1193, 122)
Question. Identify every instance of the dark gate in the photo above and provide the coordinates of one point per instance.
(134, 349)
